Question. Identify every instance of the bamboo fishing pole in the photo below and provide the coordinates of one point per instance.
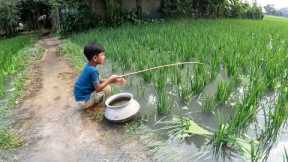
(158, 67)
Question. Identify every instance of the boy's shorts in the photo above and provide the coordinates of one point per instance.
(96, 98)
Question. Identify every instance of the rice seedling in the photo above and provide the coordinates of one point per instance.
(183, 127)
(246, 110)
(200, 79)
(276, 120)
(209, 104)
(224, 142)
(162, 99)
(285, 155)
(214, 64)
(224, 90)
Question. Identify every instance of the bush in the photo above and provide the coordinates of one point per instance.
(75, 16)
(31, 10)
(210, 8)
(178, 8)
(244, 10)
(9, 18)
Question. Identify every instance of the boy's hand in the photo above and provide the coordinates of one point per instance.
(116, 79)
(120, 81)
(113, 78)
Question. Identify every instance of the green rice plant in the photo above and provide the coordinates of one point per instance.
(231, 64)
(245, 111)
(285, 155)
(224, 90)
(209, 104)
(277, 118)
(214, 64)
(162, 99)
(200, 79)
(224, 142)
(183, 127)
(184, 90)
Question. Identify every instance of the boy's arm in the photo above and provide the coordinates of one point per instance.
(103, 83)
(102, 80)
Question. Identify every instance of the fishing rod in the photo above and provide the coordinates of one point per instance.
(159, 67)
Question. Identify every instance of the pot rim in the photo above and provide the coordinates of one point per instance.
(118, 95)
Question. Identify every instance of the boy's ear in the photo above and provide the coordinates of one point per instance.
(95, 58)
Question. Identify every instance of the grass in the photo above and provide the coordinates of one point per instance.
(10, 56)
(9, 140)
(254, 49)
(15, 59)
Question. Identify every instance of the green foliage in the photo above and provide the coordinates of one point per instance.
(30, 11)
(113, 12)
(178, 7)
(211, 8)
(244, 10)
(9, 140)
(9, 17)
(10, 58)
(76, 16)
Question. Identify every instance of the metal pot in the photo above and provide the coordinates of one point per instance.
(121, 112)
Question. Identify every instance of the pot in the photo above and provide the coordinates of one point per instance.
(121, 107)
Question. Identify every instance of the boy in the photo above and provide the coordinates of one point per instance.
(89, 90)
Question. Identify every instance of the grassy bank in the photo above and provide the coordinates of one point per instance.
(15, 55)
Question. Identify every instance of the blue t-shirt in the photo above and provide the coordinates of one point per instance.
(85, 84)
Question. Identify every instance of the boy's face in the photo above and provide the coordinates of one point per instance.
(100, 58)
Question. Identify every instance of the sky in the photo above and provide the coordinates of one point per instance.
(278, 3)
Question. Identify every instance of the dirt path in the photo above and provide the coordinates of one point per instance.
(56, 130)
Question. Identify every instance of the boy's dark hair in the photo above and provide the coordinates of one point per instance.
(92, 49)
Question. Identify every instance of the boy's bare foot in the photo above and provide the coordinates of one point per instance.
(90, 109)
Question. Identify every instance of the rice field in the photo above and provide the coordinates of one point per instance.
(236, 102)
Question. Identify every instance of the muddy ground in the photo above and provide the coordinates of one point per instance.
(55, 129)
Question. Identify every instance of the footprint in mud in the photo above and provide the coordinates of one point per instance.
(66, 76)
(57, 98)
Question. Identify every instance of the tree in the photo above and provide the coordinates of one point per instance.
(270, 9)
(9, 18)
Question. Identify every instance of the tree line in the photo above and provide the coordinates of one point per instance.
(66, 16)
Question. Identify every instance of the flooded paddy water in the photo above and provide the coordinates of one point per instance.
(163, 146)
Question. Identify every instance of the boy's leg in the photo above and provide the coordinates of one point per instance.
(98, 98)
(107, 91)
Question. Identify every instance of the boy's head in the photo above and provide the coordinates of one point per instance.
(94, 53)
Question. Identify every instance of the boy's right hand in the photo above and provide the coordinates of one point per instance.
(113, 78)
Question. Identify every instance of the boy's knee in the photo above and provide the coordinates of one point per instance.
(107, 90)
